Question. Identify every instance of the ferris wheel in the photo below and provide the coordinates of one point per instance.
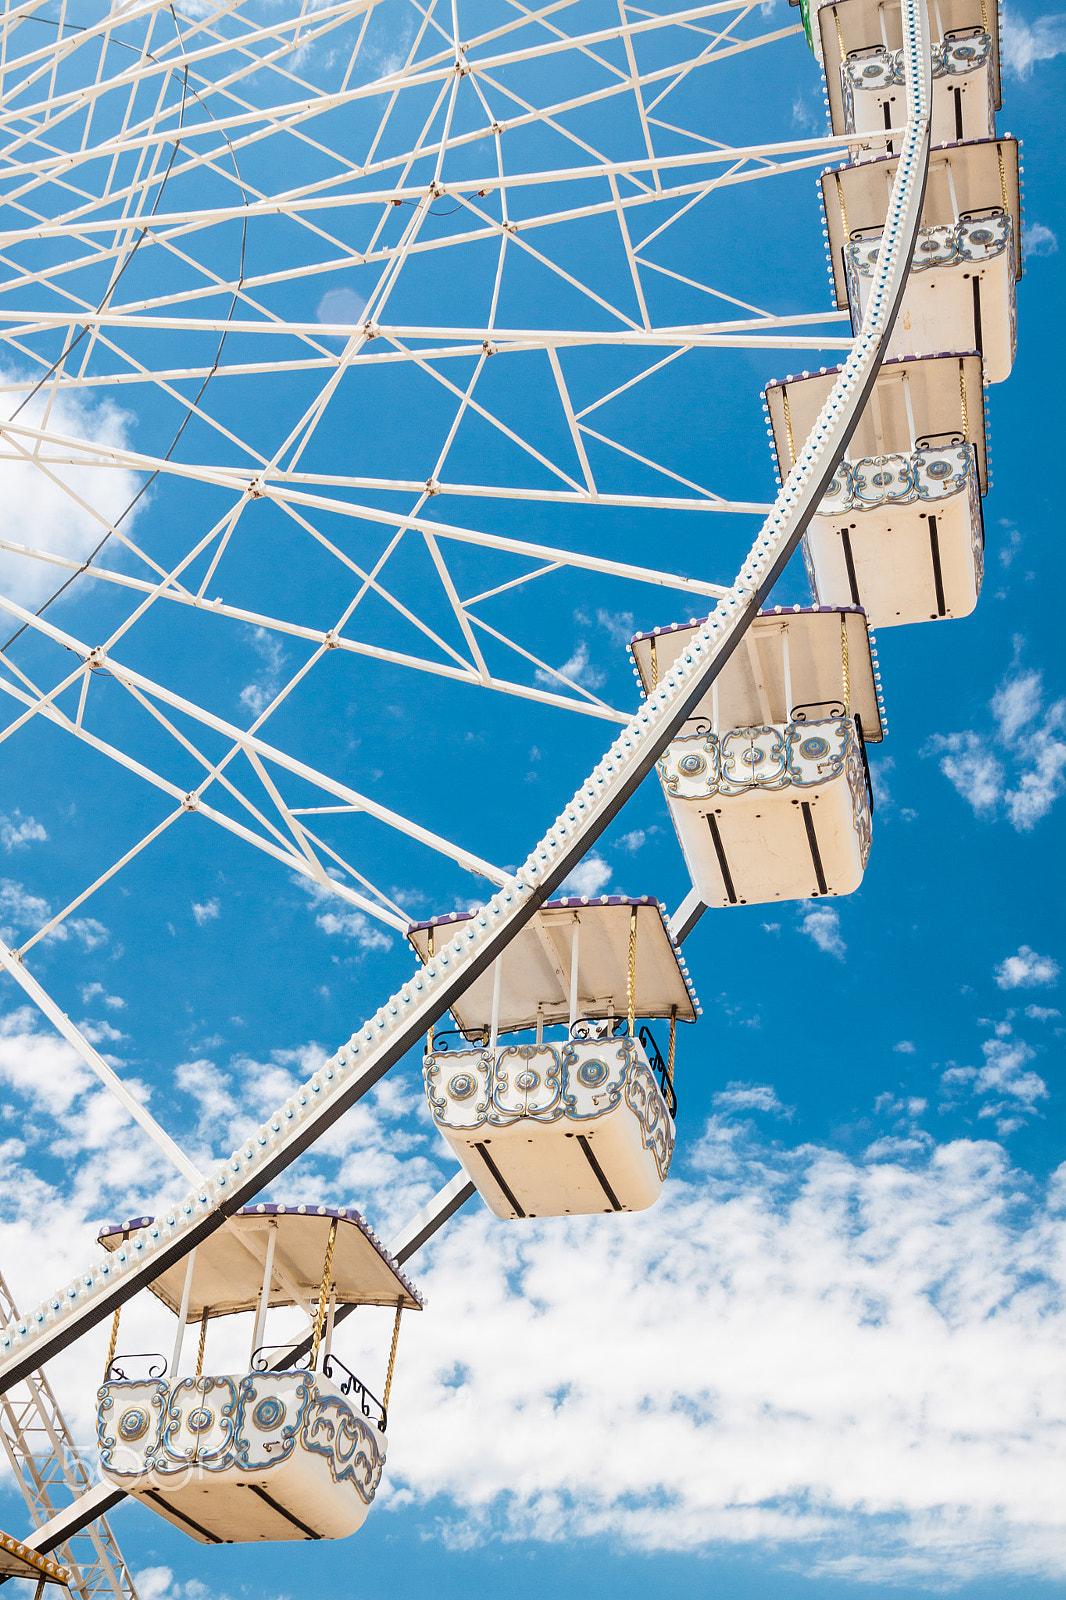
(349, 353)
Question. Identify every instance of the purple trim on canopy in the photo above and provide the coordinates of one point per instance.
(265, 1209)
(453, 918)
(778, 611)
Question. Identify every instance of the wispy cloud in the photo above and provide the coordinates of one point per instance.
(258, 694)
(1017, 768)
(578, 669)
(18, 832)
(590, 877)
(865, 1370)
(207, 912)
(96, 991)
(67, 510)
(822, 924)
(749, 1097)
(1039, 240)
(354, 925)
(1026, 970)
(29, 911)
(1025, 43)
(341, 305)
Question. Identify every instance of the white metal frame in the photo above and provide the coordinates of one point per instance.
(403, 1019)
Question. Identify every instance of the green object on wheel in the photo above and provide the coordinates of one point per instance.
(805, 13)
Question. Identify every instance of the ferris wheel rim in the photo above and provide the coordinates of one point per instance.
(630, 758)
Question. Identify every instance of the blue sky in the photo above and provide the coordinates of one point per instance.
(830, 1361)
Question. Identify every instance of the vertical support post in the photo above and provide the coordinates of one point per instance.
(786, 668)
(671, 1047)
(540, 1025)
(495, 1025)
(714, 708)
(910, 411)
(844, 662)
(429, 1033)
(203, 1343)
(951, 191)
(574, 970)
(631, 974)
(259, 1327)
(183, 1315)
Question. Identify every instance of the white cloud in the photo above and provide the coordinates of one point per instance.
(1004, 1074)
(590, 877)
(822, 924)
(29, 911)
(100, 1032)
(1025, 43)
(1026, 970)
(1019, 767)
(42, 514)
(206, 912)
(804, 118)
(748, 1097)
(354, 925)
(856, 1366)
(19, 832)
(26, 910)
(1040, 240)
(91, 933)
(96, 991)
(905, 1047)
(1042, 1013)
(258, 694)
(159, 1583)
(632, 842)
(618, 625)
(213, 1092)
(341, 305)
(578, 669)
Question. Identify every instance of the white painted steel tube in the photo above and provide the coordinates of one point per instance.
(259, 1329)
(402, 1021)
(182, 1315)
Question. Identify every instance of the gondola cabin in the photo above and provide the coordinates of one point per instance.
(862, 48)
(578, 1118)
(292, 1446)
(960, 293)
(767, 784)
(900, 531)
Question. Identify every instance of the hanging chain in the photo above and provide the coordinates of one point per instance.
(203, 1343)
(788, 432)
(840, 36)
(844, 662)
(392, 1357)
(114, 1341)
(1003, 183)
(654, 665)
(843, 212)
(631, 976)
(671, 1047)
(962, 397)
(323, 1294)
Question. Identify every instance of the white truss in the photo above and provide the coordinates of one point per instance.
(401, 1021)
(44, 1460)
